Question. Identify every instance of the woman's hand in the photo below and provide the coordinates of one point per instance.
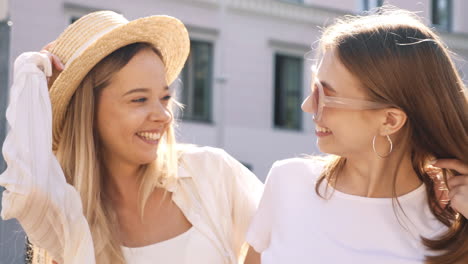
(52, 57)
(458, 185)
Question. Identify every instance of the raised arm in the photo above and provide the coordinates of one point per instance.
(48, 209)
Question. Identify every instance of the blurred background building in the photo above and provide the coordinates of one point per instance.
(245, 79)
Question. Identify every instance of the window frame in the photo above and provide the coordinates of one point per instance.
(187, 85)
(294, 2)
(300, 91)
(434, 10)
(371, 4)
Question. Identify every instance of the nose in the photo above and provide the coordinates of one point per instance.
(160, 113)
(307, 105)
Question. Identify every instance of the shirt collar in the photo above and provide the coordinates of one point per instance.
(183, 172)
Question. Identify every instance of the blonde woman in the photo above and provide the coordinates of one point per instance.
(94, 173)
(387, 101)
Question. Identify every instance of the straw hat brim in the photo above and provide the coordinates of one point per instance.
(165, 33)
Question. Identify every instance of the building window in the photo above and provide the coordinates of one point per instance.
(197, 78)
(371, 4)
(294, 1)
(288, 92)
(248, 166)
(442, 14)
(74, 18)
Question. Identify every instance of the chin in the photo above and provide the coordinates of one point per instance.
(328, 148)
(323, 147)
(146, 158)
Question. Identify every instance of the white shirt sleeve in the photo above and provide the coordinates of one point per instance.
(37, 194)
(246, 192)
(259, 232)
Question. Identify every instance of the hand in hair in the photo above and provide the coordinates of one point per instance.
(458, 185)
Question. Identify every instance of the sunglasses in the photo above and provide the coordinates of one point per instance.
(320, 100)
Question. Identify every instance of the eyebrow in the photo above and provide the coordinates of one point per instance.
(137, 90)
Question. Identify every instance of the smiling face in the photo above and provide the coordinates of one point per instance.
(132, 110)
(342, 131)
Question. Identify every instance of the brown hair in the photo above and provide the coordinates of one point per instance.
(79, 156)
(401, 62)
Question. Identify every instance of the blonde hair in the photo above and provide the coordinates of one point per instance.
(400, 61)
(80, 158)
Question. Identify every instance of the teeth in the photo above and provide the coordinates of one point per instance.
(322, 129)
(149, 136)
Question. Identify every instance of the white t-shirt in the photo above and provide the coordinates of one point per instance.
(294, 225)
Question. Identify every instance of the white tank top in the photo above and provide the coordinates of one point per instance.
(189, 247)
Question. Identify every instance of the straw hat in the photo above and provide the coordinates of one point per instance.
(94, 36)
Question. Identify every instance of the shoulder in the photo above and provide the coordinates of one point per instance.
(301, 165)
(192, 153)
(212, 163)
(299, 170)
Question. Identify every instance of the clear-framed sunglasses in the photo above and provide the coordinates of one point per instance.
(320, 100)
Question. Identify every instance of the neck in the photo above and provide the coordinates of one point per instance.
(371, 176)
(122, 181)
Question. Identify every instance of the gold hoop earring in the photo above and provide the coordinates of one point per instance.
(388, 153)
